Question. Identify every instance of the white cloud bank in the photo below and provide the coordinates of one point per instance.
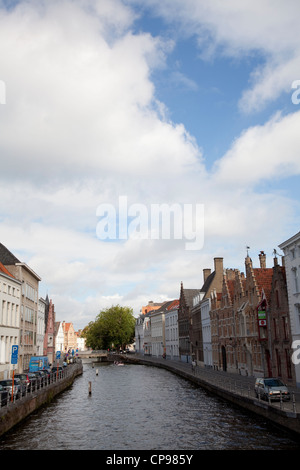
(82, 126)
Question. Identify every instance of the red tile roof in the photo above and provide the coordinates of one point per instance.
(5, 271)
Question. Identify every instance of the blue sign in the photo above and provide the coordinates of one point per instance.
(57, 354)
(14, 354)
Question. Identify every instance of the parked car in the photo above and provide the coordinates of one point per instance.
(40, 378)
(271, 388)
(24, 379)
(22, 386)
(4, 396)
(7, 385)
(33, 380)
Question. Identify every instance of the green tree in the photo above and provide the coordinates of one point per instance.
(113, 327)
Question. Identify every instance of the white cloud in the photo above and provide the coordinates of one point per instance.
(77, 91)
(82, 126)
(243, 29)
(262, 153)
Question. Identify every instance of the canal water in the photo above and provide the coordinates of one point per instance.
(137, 407)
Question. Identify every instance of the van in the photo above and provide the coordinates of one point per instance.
(38, 363)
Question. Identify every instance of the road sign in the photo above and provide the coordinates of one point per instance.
(14, 354)
(57, 354)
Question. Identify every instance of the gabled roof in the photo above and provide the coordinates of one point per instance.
(189, 294)
(5, 271)
(208, 282)
(174, 304)
(163, 307)
(6, 257)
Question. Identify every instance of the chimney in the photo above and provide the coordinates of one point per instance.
(262, 259)
(206, 273)
(218, 265)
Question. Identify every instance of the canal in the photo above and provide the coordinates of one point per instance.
(138, 407)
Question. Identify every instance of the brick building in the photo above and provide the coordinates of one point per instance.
(280, 336)
(49, 338)
(184, 320)
(239, 336)
(212, 282)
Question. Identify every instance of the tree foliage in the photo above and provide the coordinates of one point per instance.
(113, 328)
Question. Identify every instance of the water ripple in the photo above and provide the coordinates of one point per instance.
(141, 408)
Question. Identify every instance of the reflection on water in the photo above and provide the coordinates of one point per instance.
(141, 408)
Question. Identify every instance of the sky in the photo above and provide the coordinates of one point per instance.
(112, 108)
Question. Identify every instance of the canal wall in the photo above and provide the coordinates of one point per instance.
(16, 412)
(286, 419)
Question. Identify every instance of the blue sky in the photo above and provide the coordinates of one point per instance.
(162, 102)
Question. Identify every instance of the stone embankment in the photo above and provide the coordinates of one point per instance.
(232, 387)
(13, 413)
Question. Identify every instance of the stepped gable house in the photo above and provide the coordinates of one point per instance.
(184, 318)
(239, 326)
(49, 338)
(212, 282)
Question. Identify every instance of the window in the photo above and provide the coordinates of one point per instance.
(288, 363)
(285, 327)
(295, 276)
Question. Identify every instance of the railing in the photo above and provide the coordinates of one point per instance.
(36, 386)
(233, 383)
(244, 386)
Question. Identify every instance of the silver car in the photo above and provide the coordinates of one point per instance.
(271, 389)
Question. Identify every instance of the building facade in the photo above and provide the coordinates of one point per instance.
(291, 250)
(139, 334)
(171, 331)
(59, 337)
(70, 338)
(40, 329)
(184, 322)
(280, 335)
(10, 307)
(29, 304)
(212, 281)
(49, 337)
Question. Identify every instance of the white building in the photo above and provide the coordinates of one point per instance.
(157, 333)
(139, 334)
(291, 250)
(59, 337)
(206, 333)
(10, 301)
(171, 331)
(147, 335)
(81, 346)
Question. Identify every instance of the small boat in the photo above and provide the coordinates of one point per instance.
(117, 363)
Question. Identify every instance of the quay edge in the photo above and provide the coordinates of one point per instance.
(288, 420)
(12, 415)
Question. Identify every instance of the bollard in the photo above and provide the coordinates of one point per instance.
(294, 402)
(90, 388)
